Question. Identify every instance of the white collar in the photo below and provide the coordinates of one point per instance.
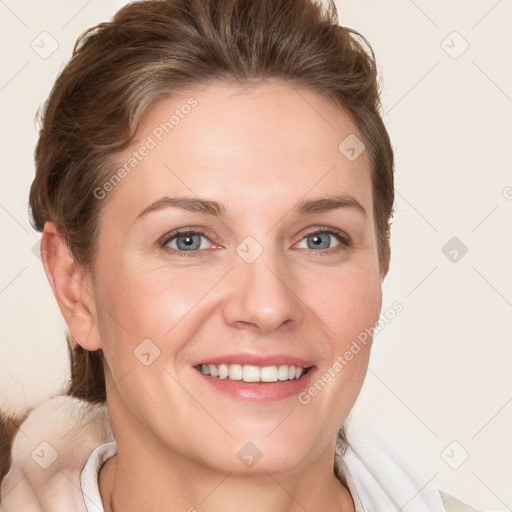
(90, 472)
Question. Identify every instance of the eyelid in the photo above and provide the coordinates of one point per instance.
(325, 229)
(170, 235)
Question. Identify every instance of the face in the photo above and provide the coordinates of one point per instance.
(216, 254)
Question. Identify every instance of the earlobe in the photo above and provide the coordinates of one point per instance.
(71, 286)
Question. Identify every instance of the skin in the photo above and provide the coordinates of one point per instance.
(258, 150)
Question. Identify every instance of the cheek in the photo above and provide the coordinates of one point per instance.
(158, 304)
(347, 301)
(148, 301)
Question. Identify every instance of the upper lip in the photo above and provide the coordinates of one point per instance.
(257, 360)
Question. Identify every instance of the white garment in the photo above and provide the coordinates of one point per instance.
(381, 478)
(378, 476)
(89, 475)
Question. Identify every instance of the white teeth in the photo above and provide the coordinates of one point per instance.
(283, 372)
(251, 373)
(269, 374)
(223, 370)
(235, 372)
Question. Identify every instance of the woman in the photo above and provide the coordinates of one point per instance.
(214, 188)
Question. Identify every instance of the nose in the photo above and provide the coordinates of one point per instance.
(262, 295)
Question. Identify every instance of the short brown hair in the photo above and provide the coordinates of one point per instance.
(155, 48)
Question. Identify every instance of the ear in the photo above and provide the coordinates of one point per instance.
(72, 287)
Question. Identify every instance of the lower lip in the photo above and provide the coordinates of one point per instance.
(259, 391)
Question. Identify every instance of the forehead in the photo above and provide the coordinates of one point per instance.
(248, 144)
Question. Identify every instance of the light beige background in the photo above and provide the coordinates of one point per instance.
(439, 384)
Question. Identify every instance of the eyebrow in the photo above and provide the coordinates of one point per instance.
(214, 208)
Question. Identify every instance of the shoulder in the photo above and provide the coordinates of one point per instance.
(452, 504)
(379, 472)
(49, 451)
(62, 425)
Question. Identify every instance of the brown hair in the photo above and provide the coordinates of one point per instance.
(9, 425)
(152, 49)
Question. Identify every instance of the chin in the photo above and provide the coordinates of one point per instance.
(257, 451)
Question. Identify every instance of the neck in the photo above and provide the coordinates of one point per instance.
(124, 489)
(133, 478)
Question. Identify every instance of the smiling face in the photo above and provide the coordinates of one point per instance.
(276, 265)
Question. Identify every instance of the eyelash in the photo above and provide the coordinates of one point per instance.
(342, 237)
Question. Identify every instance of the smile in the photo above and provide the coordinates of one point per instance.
(251, 373)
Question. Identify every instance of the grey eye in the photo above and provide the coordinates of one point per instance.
(319, 240)
(186, 241)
